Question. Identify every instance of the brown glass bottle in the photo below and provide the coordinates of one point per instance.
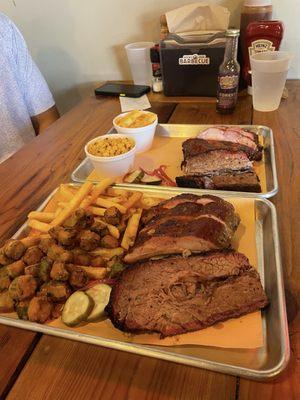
(229, 73)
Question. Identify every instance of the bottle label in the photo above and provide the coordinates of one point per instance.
(228, 82)
(194, 59)
(261, 46)
(227, 91)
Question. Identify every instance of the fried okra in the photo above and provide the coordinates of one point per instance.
(23, 287)
(80, 219)
(22, 309)
(78, 277)
(109, 242)
(59, 271)
(33, 255)
(5, 280)
(55, 291)
(4, 260)
(16, 269)
(45, 268)
(65, 237)
(58, 253)
(33, 270)
(81, 258)
(45, 243)
(100, 228)
(112, 216)
(88, 240)
(14, 249)
(39, 309)
(6, 302)
(97, 262)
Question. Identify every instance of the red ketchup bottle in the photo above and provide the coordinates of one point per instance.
(261, 36)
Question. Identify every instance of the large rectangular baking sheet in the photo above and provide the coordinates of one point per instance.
(167, 150)
(262, 363)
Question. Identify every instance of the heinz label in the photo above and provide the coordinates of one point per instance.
(261, 46)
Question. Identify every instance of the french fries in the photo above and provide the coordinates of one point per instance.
(108, 254)
(92, 272)
(108, 203)
(116, 192)
(133, 199)
(148, 202)
(30, 241)
(41, 216)
(73, 204)
(96, 199)
(58, 210)
(66, 192)
(115, 199)
(97, 210)
(97, 190)
(39, 226)
(112, 230)
(131, 229)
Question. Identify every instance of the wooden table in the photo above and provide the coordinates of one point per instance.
(34, 366)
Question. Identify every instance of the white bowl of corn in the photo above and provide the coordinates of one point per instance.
(111, 155)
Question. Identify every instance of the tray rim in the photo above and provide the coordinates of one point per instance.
(265, 195)
(149, 351)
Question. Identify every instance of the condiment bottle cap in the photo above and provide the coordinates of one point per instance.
(257, 3)
(232, 32)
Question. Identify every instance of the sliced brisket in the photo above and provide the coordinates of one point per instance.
(177, 295)
(195, 146)
(240, 181)
(216, 162)
(235, 135)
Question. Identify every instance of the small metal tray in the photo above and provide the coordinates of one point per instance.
(84, 169)
(260, 364)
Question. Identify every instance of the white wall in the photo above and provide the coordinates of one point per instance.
(79, 43)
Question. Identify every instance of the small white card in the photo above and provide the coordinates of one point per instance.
(131, 103)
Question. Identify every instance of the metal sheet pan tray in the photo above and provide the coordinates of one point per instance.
(262, 363)
(167, 150)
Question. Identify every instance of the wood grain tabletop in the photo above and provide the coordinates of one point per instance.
(34, 366)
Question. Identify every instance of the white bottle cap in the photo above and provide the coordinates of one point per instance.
(257, 3)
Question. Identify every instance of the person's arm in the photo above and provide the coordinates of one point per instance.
(41, 121)
(37, 96)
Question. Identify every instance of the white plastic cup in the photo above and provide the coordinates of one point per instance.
(138, 55)
(142, 136)
(111, 166)
(269, 72)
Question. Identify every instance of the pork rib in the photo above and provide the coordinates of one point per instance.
(178, 227)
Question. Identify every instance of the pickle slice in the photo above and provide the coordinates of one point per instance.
(77, 308)
(100, 294)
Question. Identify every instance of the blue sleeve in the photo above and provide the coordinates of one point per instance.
(35, 90)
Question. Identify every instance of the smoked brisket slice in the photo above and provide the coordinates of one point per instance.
(195, 146)
(234, 135)
(239, 181)
(215, 162)
(177, 295)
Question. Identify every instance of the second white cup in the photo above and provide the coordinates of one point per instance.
(269, 72)
(138, 55)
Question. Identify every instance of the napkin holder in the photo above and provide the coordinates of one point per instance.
(190, 63)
